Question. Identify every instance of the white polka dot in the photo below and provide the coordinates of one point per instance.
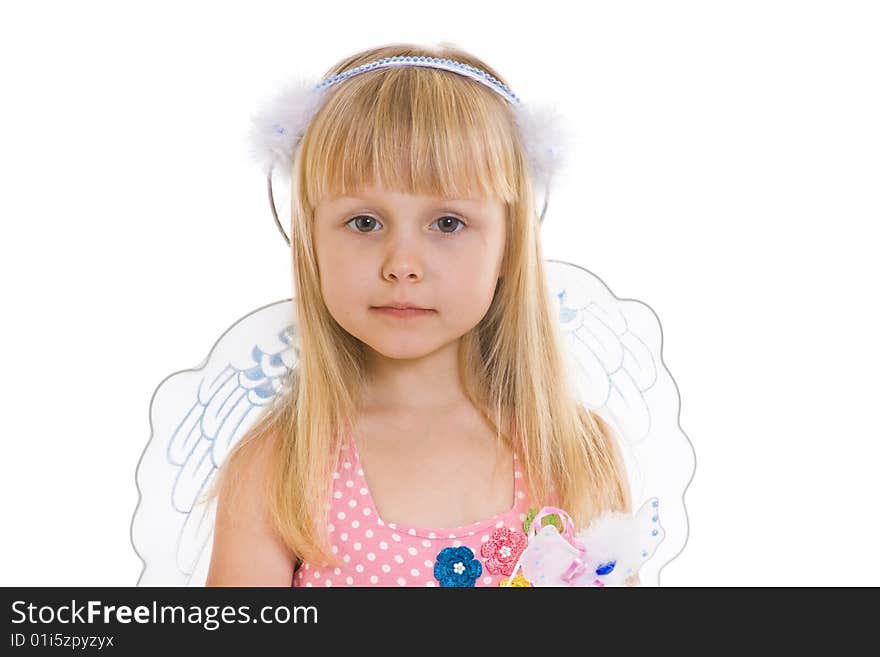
(412, 551)
(470, 533)
(484, 539)
(371, 556)
(517, 474)
(337, 571)
(398, 558)
(500, 523)
(307, 566)
(336, 475)
(355, 523)
(452, 536)
(428, 564)
(357, 546)
(396, 537)
(349, 581)
(456, 543)
(343, 536)
(363, 491)
(392, 525)
(349, 483)
(412, 532)
(369, 533)
(380, 521)
(487, 580)
(337, 494)
(331, 527)
(361, 472)
(373, 579)
(359, 568)
(327, 582)
(432, 535)
(401, 581)
(386, 568)
(341, 515)
(352, 503)
(334, 549)
(317, 574)
(366, 510)
(346, 465)
(430, 584)
(520, 495)
(414, 572)
(426, 543)
(308, 583)
(346, 558)
(383, 545)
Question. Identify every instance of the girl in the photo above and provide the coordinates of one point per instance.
(412, 443)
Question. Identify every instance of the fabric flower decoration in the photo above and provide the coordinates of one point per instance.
(456, 566)
(502, 550)
(519, 580)
(551, 519)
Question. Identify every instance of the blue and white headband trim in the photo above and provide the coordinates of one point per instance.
(280, 124)
(432, 62)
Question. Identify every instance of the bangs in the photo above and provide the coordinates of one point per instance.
(412, 130)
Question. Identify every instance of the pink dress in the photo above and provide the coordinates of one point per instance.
(376, 553)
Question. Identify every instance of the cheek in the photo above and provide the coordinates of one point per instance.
(470, 281)
(342, 281)
(343, 287)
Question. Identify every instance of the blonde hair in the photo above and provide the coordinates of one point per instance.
(425, 131)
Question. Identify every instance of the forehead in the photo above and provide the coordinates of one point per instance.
(394, 198)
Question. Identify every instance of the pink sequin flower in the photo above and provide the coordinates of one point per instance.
(502, 550)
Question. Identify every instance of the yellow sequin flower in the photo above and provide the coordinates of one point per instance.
(519, 580)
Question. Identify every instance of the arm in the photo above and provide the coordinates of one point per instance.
(246, 551)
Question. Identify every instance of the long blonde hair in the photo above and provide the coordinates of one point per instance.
(424, 131)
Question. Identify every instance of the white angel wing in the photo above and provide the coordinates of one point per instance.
(616, 367)
(614, 358)
(197, 416)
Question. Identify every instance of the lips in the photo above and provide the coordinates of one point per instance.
(404, 306)
(403, 312)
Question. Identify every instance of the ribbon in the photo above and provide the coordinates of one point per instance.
(580, 563)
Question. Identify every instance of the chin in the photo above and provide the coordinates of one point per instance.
(401, 351)
(401, 346)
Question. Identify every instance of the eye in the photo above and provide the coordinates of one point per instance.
(443, 222)
(363, 216)
(368, 222)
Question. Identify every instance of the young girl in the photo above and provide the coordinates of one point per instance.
(412, 444)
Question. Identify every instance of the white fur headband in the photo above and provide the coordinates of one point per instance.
(279, 126)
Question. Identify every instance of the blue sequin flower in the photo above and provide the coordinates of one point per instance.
(456, 566)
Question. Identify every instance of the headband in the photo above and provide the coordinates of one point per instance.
(279, 126)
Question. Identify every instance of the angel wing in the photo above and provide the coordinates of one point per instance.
(613, 353)
(197, 416)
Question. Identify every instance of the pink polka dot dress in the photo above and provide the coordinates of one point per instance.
(376, 553)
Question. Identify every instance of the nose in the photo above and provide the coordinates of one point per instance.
(403, 262)
(402, 271)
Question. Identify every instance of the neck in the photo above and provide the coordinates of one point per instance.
(431, 383)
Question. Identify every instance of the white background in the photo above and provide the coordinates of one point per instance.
(725, 174)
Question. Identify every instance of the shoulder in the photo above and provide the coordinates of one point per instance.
(246, 549)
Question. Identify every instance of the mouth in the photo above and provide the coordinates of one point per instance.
(403, 312)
